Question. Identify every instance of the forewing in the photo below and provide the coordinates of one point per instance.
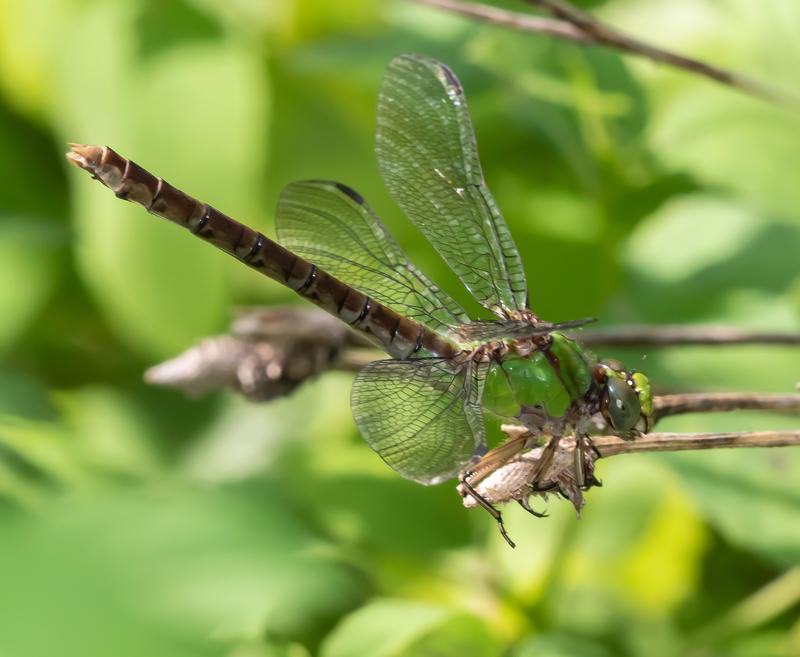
(485, 331)
(429, 161)
(422, 417)
(332, 226)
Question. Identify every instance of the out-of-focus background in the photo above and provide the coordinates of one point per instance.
(135, 521)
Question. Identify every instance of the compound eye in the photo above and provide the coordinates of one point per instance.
(624, 408)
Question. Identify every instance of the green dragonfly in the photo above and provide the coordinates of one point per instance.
(425, 410)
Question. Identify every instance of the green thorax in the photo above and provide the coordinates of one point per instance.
(550, 383)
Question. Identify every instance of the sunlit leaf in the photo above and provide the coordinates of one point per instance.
(42, 449)
(718, 230)
(29, 263)
(554, 645)
(398, 628)
(750, 496)
(27, 48)
(166, 565)
(723, 137)
(23, 396)
(157, 285)
(111, 433)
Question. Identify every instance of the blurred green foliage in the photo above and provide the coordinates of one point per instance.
(136, 522)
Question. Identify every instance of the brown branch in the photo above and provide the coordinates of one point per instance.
(716, 402)
(625, 336)
(515, 20)
(675, 442)
(270, 351)
(630, 336)
(574, 25)
(554, 466)
(353, 360)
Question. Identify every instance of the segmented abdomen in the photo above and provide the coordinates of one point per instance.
(399, 336)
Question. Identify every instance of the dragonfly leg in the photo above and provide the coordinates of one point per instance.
(526, 504)
(578, 455)
(494, 459)
(546, 458)
(550, 487)
(488, 506)
(594, 448)
(585, 482)
(546, 488)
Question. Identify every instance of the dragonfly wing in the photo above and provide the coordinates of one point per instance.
(332, 226)
(487, 330)
(429, 161)
(422, 417)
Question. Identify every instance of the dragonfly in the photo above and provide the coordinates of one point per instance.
(426, 410)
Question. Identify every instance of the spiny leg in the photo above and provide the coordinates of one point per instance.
(526, 504)
(498, 517)
(549, 487)
(594, 448)
(578, 461)
(497, 457)
(546, 458)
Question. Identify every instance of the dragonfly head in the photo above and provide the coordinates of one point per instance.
(625, 397)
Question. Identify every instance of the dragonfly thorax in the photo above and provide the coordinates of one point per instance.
(548, 376)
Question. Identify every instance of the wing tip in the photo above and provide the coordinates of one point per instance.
(330, 185)
(350, 192)
(439, 68)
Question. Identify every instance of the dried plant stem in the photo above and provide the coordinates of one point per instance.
(574, 25)
(675, 442)
(513, 479)
(715, 402)
(353, 360)
(632, 336)
(514, 20)
(627, 336)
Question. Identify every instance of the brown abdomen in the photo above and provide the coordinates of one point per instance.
(397, 335)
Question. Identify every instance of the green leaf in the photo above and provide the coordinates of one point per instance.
(637, 546)
(141, 571)
(400, 628)
(43, 451)
(28, 49)
(750, 496)
(725, 138)
(23, 396)
(460, 635)
(111, 433)
(725, 249)
(193, 114)
(556, 645)
(761, 644)
(29, 265)
(718, 228)
(709, 136)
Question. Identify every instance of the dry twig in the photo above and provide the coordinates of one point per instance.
(523, 477)
(666, 336)
(575, 25)
(270, 351)
(720, 402)
(675, 442)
